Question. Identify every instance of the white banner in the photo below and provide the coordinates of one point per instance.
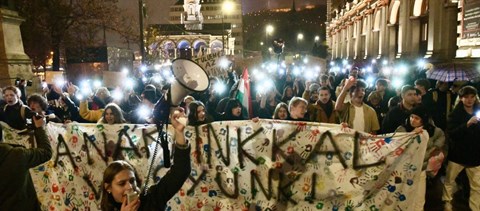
(239, 165)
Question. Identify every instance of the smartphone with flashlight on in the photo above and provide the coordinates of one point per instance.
(132, 196)
(477, 114)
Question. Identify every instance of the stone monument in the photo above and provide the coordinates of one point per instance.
(192, 17)
(14, 63)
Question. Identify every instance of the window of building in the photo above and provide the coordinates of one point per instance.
(394, 10)
(420, 8)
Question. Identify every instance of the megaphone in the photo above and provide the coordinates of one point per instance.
(189, 78)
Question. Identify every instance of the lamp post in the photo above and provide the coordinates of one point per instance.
(141, 14)
(268, 31)
(227, 6)
(317, 38)
(299, 38)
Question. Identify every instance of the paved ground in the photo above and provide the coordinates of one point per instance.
(434, 202)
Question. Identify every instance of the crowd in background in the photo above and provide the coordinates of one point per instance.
(445, 110)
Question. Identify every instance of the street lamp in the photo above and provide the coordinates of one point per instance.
(268, 31)
(227, 7)
(299, 38)
(317, 38)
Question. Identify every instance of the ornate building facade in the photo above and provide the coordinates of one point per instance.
(403, 29)
(198, 28)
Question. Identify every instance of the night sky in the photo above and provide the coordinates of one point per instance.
(255, 5)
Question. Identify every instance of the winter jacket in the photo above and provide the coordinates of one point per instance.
(464, 143)
(90, 115)
(16, 186)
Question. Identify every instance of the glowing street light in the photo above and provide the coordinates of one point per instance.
(300, 36)
(227, 7)
(268, 31)
(317, 38)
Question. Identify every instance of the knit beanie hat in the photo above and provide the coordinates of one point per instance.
(422, 112)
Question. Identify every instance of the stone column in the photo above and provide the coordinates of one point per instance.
(13, 60)
(368, 37)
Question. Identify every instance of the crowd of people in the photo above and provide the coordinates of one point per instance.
(446, 111)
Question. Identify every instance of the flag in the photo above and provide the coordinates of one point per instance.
(243, 93)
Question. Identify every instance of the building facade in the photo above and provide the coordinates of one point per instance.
(403, 29)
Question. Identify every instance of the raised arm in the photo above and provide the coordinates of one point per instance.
(339, 105)
(171, 183)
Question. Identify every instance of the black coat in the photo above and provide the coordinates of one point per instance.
(16, 186)
(464, 143)
(394, 118)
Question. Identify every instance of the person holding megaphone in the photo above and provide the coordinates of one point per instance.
(121, 184)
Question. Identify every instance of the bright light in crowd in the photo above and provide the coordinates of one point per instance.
(143, 68)
(317, 68)
(44, 85)
(117, 94)
(220, 88)
(281, 71)
(270, 49)
(157, 78)
(144, 79)
(223, 62)
(265, 86)
(421, 63)
(349, 67)
(305, 60)
(259, 76)
(157, 66)
(129, 83)
(344, 62)
(385, 62)
(97, 84)
(397, 83)
(332, 63)
(79, 96)
(386, 71)
(309, 74)
(85, 88)
(144, 111)
(125, 71)
(403, 69)
(296, 71)
(272, 66)
(59, 82)
(374, 61)
(369, 69)
(335, 69)
(477, 114)
(370, 80)
(283, 64)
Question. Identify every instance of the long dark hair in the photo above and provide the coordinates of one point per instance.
(231, 104)
(117, 113)
(107, 202)
(193, 115)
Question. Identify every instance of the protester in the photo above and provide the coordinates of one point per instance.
(355, 113)
(14, 112)
(39, 105)
(398, 114)
(323, 110)
(418, 122)
(121, 178)
(464, 147)
(233, 111)
(281, 111)
(17, 190)
(197, 114)
(112, 114)
(297, 108)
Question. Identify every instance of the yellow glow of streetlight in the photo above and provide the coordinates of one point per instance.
(269, 29)
(317, 38)
(300, 36)
(228, 6)
(261, 43)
